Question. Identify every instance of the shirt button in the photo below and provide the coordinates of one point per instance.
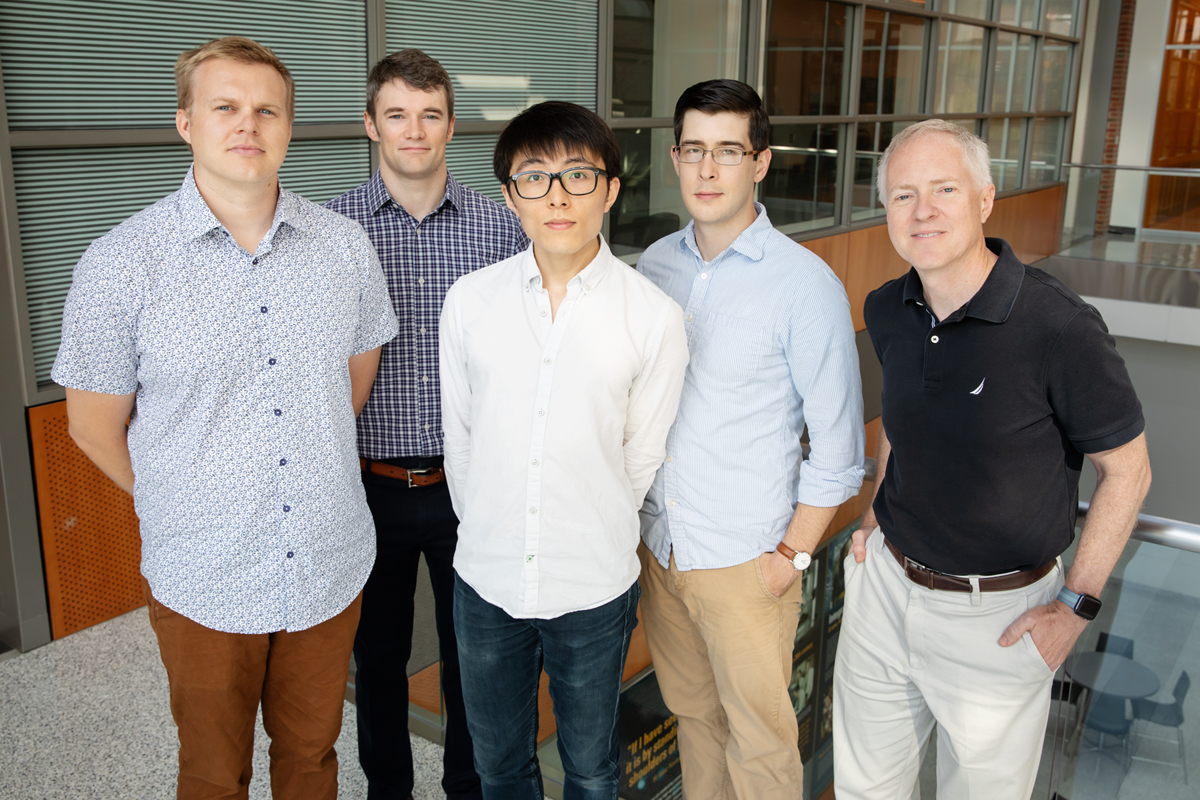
(278, 412)
(424, 379)
(255, 261)
(271, 361)
(543, 313)
(672, 502)
(422, 330)
(287, 508)
(704, 276)
(933, 339)
(541, 412)
(426, 427)
(263, 309)
(528, 559)
(587, 288)
(289, 553)
(533, 512)
(547, 360)
(283, 462)
(421, 281)
(535, 462)
(669, 459)
(689, 317)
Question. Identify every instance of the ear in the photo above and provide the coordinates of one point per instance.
(614, 188)
(508, 201)
(674, 160)
(369, 123)
(762, 165)
(989, 199)
(450, 130)
(183, 124)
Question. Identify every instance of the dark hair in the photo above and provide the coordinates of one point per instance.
(414, 68)
(548, 129)
(713, 97)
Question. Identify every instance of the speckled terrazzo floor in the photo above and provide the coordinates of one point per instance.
(87, 717)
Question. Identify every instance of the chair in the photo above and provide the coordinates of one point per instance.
(1106, 643)
(1106, 715)
(1168, 715)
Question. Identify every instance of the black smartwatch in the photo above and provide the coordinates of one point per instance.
(1084, 605)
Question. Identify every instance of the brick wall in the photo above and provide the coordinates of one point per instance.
(1116, 109)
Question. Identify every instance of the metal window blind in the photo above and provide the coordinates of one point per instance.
(470, 161)
(504, 56)
(68, 197)
(83, 64)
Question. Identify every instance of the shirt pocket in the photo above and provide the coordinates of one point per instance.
(730, 348)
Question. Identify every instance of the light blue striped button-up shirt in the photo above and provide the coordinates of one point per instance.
(772, 348)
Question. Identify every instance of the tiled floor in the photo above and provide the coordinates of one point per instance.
(87, 717)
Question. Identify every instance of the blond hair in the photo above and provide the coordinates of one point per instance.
(974, 149)
(230, 48)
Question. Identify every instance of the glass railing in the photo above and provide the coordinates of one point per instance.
(1122, 714)
(1132, 215)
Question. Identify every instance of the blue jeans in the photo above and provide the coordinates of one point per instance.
(501, 659)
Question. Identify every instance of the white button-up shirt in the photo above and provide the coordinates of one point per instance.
(554, 428)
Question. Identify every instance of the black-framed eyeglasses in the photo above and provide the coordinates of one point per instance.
(535, 184)
(725, 156)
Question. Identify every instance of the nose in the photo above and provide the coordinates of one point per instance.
(558, 196)
(708, 166)
(925, 207)
(248, 123)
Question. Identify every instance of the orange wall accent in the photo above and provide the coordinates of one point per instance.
(90, 541)
(1031, 223)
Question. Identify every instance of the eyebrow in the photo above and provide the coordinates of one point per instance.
(722, 143)
(231, 102)
(538, 160)
(934, 182)
(432, 109)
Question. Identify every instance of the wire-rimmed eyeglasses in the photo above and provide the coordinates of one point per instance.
(535, 184)
(725, 156)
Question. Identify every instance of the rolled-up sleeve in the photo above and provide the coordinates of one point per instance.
(818, 342)
(377, 323)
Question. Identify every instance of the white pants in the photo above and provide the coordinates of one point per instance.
(909, 657)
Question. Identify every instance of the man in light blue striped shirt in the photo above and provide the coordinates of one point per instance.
(734, 512)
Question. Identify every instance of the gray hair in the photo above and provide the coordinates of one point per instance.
(975, 152)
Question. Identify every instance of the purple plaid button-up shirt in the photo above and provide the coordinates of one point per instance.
(421, 259)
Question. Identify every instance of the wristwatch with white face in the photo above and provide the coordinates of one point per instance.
(799, 560)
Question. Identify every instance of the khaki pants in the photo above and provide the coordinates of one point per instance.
(217, 681)
(909, 657)
(722, 648)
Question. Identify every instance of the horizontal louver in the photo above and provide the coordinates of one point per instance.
(83, 64)
(470, 161)
(68, 197)
(504, 56)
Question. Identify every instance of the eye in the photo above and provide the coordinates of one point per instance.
(692, 151)
(728, 151)
(947, 189)
(266, 111)
(902, 197)
(224, 108)
(533, 177)
(577, 175)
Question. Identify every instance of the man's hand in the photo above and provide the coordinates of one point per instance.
(778, 573)
(1054, 629)
(858, 541)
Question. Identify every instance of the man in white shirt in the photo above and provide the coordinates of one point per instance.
(561, 375)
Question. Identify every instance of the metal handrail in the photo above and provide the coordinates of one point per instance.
(1180, 171)
(1152, 529)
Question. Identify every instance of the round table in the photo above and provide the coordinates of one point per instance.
(1112, 674)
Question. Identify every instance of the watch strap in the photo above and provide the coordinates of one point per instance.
(786, 551)
(1083, 605)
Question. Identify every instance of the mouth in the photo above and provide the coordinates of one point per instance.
(559, 224)
(246, 150)
(707, 195)
(929, 235)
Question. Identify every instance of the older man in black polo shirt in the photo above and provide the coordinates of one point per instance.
(997, 381)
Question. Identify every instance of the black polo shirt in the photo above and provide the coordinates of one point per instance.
(989, 413)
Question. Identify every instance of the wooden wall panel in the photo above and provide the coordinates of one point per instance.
(90, 543)
(1031, 223)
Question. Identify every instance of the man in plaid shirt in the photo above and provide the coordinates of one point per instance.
(429, 230)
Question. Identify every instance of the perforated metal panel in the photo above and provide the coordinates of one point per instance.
(90, 539)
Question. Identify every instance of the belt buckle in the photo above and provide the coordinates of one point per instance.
(926, 574)
(411, 472)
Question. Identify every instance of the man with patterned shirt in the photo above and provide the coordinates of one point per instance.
(246, 323)
(428, 230)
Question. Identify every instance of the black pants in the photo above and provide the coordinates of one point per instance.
(408, 522)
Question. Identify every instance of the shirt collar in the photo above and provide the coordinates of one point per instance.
(749, 242)
(588, 277)
(995, 299)
(199, 220)
(378, 194)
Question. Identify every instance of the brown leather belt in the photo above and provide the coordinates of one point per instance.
(932, 579)
(415, 477)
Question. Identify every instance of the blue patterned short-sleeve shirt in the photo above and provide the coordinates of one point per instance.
(247, 483)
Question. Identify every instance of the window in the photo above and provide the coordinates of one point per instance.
(892, 61)
(806, 58)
